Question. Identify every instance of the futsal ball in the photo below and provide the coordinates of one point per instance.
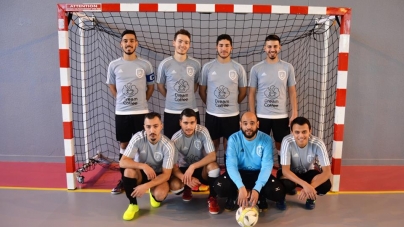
(247, 217)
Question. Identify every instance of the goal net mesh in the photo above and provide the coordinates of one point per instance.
(309, 45)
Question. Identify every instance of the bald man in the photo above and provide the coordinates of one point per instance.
(248, 180)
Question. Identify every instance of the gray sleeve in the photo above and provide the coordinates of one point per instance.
(161, 76)
(242, 79)
(150, 77)
(133, 147)
(285, 152)
(322, 153)
(169, 154)
(197, 71)
(207, 141)
(253, 78)
(291, 76)
(204, 75)
(110, 74)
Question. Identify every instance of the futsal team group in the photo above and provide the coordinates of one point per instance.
(184, 157)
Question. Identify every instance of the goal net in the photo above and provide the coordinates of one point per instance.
(309, 42)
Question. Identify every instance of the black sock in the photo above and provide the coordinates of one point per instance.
(122, 170)
(212, 192)
(129, 184)
(224, 159)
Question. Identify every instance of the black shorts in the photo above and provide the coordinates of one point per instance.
(308, 177)
(221, 126)
(172, 123)
(144, 177)
(127, 125)
(279, 127)
(197, 174)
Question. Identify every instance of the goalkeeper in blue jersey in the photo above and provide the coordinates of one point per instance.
(248, 180)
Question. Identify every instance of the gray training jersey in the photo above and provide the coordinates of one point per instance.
(192, 149)
(131, 79)
(302, 160)
(180, 79)
(157, 156)
(272, 82)
(222, 82)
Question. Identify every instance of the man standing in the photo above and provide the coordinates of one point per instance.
(196, 160)
(223, 86)
(298, 158)
(148, 161)
(131, 82)
(270, 83)
(249, 164)
(177, 81)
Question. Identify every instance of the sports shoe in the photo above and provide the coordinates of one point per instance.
(262, 204)
(187, 195)
(230, 204)
(213, 206)
(118, 188)
(153, 202)
(310, 204)
(293, 192)
(281, 205)
(130, 212)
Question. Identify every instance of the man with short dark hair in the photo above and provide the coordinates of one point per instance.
(148, 161)
(131, 82)
(299, 152)
(177, 81)
(271, 82)
(222, 87)
(196, 160)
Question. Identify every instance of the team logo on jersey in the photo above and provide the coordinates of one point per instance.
(272, 92)
(181, 86)
(232, 74)
(129, 90)
(158, 156)
(222, 92)
(139, 73)
(281, 74)
(198, 144)
(310, 158)
(259, 150)
(190, 71)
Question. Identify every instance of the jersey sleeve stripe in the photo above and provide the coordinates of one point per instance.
(204, 131)
(161, 67)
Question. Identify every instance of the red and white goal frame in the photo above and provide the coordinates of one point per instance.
(65, 72)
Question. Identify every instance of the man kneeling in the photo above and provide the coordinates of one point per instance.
(148, 161)
(299, 152)
(249, 164)
(196, 159)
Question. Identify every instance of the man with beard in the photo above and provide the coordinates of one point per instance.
(222, 87)
(299, 153)
(271, 80)
(131, 82)
(177, 81)
(148, 161)
(249, 164)
(196, 160)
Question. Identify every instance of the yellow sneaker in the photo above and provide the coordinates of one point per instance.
(130, 212)
(153, 202)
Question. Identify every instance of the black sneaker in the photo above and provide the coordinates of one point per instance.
(118, 188)
(230, 204)
(310, 204)
(262, 204)
(293, 192)
(281, 205)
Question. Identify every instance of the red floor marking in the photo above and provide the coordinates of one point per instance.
(53, 175)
